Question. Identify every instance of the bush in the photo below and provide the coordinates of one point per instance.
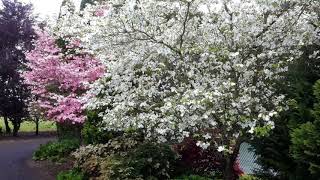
(305, 146)
(97, 160)
(74, 174)
(197, 160)
(69, 131)
(126, 157)
(192, 177)
(56, 151)
(249, 177)
(305, 139)
(92, 134)
(152, 160)
(130, 157)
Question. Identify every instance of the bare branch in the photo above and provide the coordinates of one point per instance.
(185, 24)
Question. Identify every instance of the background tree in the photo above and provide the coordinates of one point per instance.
(59, 74)
(16, 35)
(305, 148)
(274, 150)
(276, 155)
(35, 113)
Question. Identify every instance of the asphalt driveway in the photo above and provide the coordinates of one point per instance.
(15, 155)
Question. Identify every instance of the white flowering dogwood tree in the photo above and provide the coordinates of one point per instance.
(200, 68)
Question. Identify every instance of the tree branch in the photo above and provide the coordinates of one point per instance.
(185, 24)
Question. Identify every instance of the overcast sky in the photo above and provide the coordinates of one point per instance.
(47, 8)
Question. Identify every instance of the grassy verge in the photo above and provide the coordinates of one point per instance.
(29, 126)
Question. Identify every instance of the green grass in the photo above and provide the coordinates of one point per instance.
(29, 126)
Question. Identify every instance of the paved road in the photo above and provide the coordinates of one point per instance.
(14, 158)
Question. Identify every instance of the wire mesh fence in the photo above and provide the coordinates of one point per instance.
(247, 159)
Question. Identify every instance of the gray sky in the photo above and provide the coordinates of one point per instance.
(47, 8)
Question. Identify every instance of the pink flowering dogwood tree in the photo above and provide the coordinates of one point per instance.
(60, 77)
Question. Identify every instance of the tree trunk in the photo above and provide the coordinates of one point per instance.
(16, 127)
(37, 126)
(229, 173)
(6, 122)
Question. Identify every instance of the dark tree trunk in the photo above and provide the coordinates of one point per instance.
(37, 126)
(16, 127)
(6, 122)
(229, 171)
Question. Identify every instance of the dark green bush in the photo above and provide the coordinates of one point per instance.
(74, 174)
(91, 134)
(275, 151)
(305, 147)
(192, 177)
(56, 151)
(156, 161)
(69, 131)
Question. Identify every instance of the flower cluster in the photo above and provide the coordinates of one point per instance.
(191, 67)
(59, 78)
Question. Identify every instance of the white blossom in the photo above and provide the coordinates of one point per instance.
(221, 149)
(176, 68)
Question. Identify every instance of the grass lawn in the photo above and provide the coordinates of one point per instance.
(29, 126)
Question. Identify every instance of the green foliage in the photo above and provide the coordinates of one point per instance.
(91, 134)
(56, 151)
(68, 131)
(115, 167)
(305, 139)
(306, 146)
(274, 155)
(152, 161)
(74, 174)
(127, 157)
(249, 177)
(192, 177)
(104, 160)
(274, 150)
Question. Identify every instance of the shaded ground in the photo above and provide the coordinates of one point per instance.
(28, 135)
(15, 158)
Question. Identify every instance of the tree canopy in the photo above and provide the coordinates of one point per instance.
(16, 35)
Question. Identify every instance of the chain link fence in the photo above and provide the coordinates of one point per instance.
(247, 159)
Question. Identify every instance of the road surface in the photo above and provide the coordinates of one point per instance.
(15, 158)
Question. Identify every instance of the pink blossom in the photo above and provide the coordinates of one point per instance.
(60, 80)
(99, 12)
